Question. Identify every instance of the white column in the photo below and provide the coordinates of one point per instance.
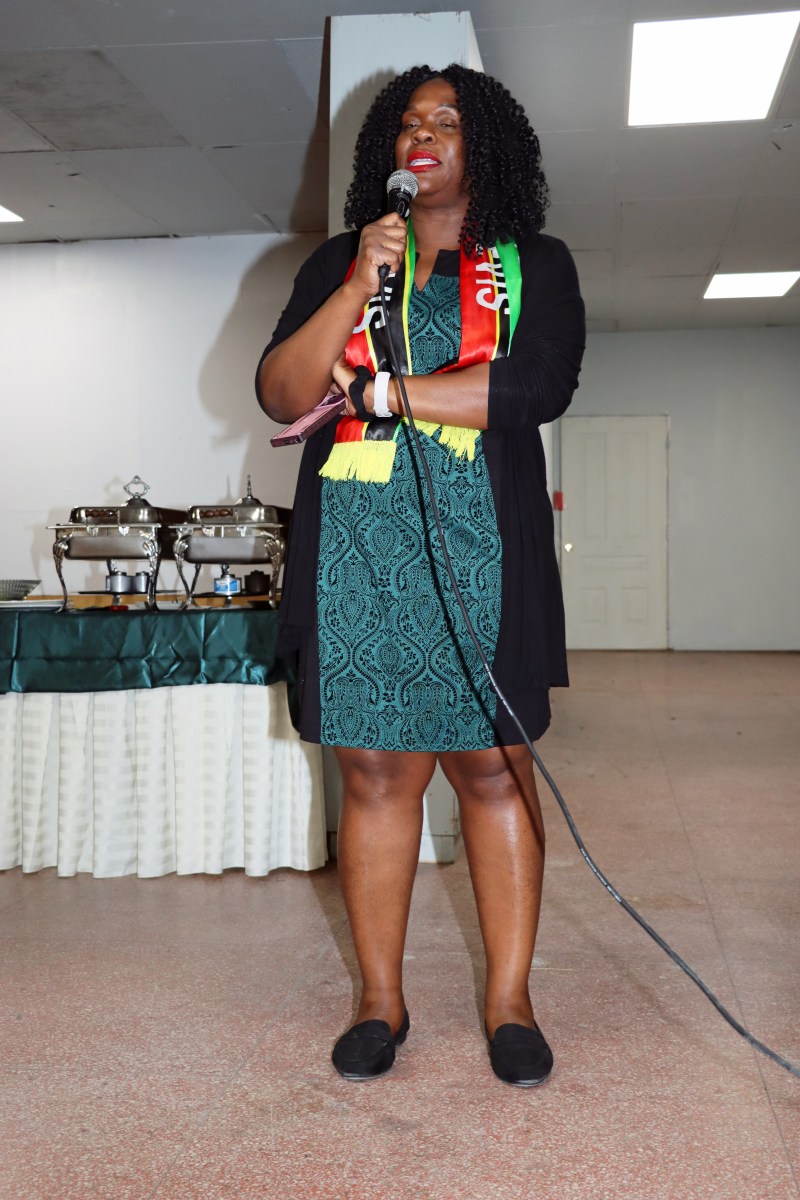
(366, 53)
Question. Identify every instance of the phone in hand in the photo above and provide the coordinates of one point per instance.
(310, 422)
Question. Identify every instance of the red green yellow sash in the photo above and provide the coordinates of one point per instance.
(489, 289)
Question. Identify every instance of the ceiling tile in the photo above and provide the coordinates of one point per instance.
(176, 186)
(781, 256)
(304, 56)
(683, 260)
(777, 167)
(505, 14)
(767, 220)
(786, 310)
(135, 22)
(15, 135)
(598, 296)
(643, 320)
(673, 289)
(671, 302)
(677, 222)
(299, 220)
(78, 100)
(676, 10)
(789, 101)
(277, 177)
(580, 165)
(57, 201)
(228, 94)
(638, 318)
(594, 264)
(40, 25)
(583, 226)
(556, 69)
(688, 160)
(726, 314)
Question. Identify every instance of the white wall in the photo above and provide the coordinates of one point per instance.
(126, 357)
(733, 401)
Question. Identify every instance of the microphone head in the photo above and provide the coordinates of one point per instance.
(401, 188)
(402, 181)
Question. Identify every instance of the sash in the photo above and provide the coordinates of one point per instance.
(490, 286)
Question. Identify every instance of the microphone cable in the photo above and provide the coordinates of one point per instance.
(383, 271)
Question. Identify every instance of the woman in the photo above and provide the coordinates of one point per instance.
(488, 318)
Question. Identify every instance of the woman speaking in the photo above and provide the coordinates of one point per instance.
(488, 323)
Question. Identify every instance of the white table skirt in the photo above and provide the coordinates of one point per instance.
(187, 779)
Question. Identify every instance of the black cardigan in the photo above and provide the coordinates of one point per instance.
(529, 388)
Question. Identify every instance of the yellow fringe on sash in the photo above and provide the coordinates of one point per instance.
(427, 427)
(460, 441)
(366, 461)
(372, 461)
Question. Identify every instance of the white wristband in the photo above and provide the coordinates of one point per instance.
(380, 401)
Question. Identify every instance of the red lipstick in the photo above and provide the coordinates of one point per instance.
(422, 160)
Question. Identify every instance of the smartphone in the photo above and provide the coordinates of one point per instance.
(310, 422)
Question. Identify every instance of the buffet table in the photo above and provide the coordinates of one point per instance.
(114, 761)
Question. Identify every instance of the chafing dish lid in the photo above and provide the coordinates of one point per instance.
(135, 512)
(248, 510)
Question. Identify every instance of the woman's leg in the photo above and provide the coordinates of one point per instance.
(378, 849)
(504, 839)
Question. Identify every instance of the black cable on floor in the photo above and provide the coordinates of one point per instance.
(676, 958)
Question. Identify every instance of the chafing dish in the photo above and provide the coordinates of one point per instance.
(135, 530)
(245, 532)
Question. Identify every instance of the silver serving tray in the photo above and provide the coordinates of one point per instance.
(249, 548)
(27, 605)
(106, 541)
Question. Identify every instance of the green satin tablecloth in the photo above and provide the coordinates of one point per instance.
(104, 651)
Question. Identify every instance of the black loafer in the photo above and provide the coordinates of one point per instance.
(367, 1050)
(520, 1055)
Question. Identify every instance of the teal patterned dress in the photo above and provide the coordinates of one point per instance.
(397, 668)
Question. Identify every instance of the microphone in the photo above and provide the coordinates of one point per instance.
(401, 188)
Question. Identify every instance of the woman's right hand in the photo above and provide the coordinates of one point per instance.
(384, 241)
(296, 372)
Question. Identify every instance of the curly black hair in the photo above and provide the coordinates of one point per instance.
(507, 188)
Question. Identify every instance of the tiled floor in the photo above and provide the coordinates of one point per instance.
(170, 1038)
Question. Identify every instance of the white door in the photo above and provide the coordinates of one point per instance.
(614, 532)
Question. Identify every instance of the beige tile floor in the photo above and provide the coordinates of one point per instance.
(170, 1038)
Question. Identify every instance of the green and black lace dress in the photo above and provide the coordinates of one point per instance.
(397, 669)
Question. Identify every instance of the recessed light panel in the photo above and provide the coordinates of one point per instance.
(763, 283)
(713, 69)
(7, 215)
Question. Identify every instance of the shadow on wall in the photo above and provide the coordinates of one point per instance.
(228, 391)
(227, 377)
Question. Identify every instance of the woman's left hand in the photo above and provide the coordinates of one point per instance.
(343, 376)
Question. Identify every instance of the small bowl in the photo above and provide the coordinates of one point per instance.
(17, 589)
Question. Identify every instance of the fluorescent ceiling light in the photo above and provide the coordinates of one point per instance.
(713, 69)
(7, 215)
(763, 283)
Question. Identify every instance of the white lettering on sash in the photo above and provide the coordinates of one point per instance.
(493, 276)
(373, 313)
